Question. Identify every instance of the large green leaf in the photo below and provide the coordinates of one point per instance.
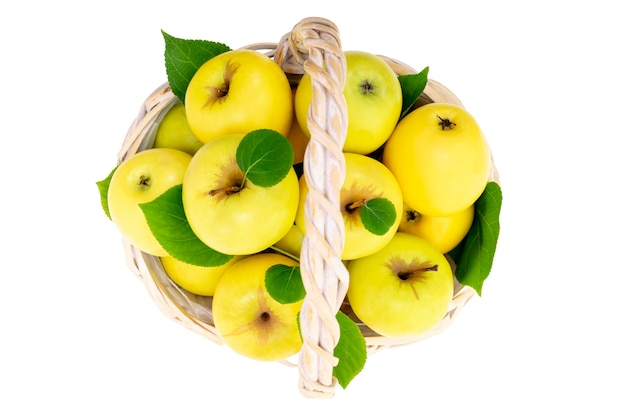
(413, 86)
(351, 350)
(474, 255)
(183, 57)
(103, 189)
(167, 221)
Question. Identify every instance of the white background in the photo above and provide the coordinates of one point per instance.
(81, 336)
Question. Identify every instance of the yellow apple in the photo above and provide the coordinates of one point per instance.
(199, 280)
(373, 98)
(298, 139)
(237, 92)
(403, 290)
(440, 158)
(366, 179)
(443, 232)
(140, 179)
(248, 319)
(229, 213)
(174, 132)
(291, 243)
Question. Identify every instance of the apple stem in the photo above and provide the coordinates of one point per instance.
(355, 205)
(233, 189)
(406, 275)
(284, 252)
(446, 124)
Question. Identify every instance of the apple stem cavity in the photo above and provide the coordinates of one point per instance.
(367, 87)
(411, 271)
(216, 93)
(445, 123)
(219, 92)
(352, 207)
(144, 182)
(412, 215)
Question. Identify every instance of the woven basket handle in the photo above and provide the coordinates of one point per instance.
(315, 45)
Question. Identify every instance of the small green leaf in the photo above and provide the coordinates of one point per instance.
(183, 57)
(378, 215)
(284, 283)
(351, 350)
(413, 86)
(167, 221)
(474, 255)
(265, 156)
(103, 188)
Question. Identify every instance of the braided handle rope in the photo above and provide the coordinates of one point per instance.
(314, 43)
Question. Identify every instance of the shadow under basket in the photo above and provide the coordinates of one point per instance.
(313, 46)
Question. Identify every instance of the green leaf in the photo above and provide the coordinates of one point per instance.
(351, 350)
(474, 255)
(183, 57)
(265, 156)
(167, 221)
(103, 188)
(284, 283)
(413, 86)
(378, 215)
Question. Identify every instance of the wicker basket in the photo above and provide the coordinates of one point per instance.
(313, 46)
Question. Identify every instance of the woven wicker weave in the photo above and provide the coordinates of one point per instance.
(313, 46)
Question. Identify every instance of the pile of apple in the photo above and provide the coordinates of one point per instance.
(220, 196)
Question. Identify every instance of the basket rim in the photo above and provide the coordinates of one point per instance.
(145, 265)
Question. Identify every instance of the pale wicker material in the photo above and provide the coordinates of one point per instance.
(313, 46)
(315, 43)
